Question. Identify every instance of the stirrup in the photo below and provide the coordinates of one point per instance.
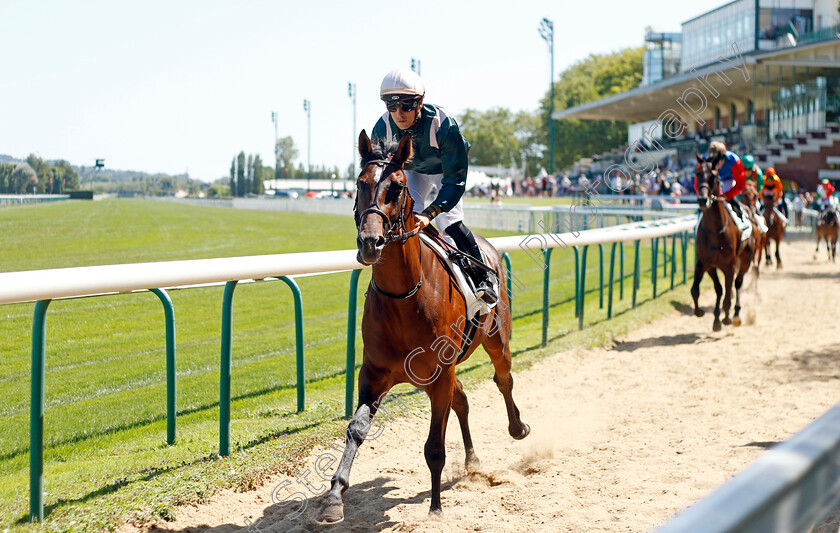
(485, 292)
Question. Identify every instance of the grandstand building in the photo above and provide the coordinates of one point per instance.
(762, 74)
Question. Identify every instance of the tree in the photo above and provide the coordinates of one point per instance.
(7, 180)
(498, 136)
(597, 76)
(233, 174)
(257, 175)
(240, 174)
(24, 178)
(286, 153)
(42, 170)
(249, 175)
(69, 178)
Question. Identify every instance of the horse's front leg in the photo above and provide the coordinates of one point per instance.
(372, 387)
(767, 258)
(718, 293)
(778, 256)
(440, 393)
(728, 278)
(695, 287)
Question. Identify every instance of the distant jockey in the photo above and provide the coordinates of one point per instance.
(825, 197)
(773, 186)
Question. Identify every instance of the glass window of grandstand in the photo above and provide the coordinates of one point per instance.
(717, 33)
(781, 22)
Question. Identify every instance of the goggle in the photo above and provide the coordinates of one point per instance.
(405, 105)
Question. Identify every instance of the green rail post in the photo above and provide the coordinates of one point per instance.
(36, 412)
(673, 258)
(298, 339)
(546, 276)
(508, 275)
(655, 262)
(601, 277)
(621, 272)
(685, 256)
(665, 256)
(171, 411)
(612, 280)
(636, 274)
(351, 343)
(225, 369)
(582, 290)
(577, 277)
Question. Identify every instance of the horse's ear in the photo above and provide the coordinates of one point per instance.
(403, 152)
(365, 147)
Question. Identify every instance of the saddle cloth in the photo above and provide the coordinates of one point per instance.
(744, 225)
(782, 217)
(464, 282)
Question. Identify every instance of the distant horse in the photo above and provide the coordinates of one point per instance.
(750, 196)
(775, 231)
(415, 321)
(827, 228)
(719, 245)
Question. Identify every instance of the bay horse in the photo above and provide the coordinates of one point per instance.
(718, 245)
(414, 322)
(775, 231)
(827, 228)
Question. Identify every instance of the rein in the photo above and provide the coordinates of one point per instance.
(390, 235)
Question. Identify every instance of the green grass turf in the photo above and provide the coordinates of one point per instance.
(106, 460)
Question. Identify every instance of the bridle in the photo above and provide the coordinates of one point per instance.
(711, 196)
(390, 234)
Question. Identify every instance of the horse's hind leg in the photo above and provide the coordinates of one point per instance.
(695, 287)
(462, 410)
(372, 387)
(718, 292)
(499, 352)
(441, 395)
(739, 281)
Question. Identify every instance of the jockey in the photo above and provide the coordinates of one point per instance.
(730, 172)
(753, 171)
(825, 197)
(773, 185)
(439, 159)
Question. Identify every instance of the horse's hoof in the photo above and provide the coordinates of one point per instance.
(727, 321)
(435, 513)
(472, 463)
(736, 321)
(716, 326)
(526, 430)
(699, 312)
(331, 513)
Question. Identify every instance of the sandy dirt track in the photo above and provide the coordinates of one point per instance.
(622, 436)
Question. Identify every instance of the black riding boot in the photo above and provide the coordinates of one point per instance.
(465, 241)
(736, 206)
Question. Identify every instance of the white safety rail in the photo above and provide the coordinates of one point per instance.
(33, 285)
(21, 199)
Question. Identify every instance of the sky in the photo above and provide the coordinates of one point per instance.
(183, 86)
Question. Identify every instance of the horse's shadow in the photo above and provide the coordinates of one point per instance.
(365, 507)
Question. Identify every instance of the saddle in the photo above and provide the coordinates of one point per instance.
(456, 262)
(742, 223)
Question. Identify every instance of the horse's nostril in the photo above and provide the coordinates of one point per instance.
(380, 241)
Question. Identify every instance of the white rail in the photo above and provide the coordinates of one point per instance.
(33, 285)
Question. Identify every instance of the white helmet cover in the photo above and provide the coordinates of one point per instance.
(401, 82)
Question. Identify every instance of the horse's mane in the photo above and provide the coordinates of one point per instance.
(382, 148)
